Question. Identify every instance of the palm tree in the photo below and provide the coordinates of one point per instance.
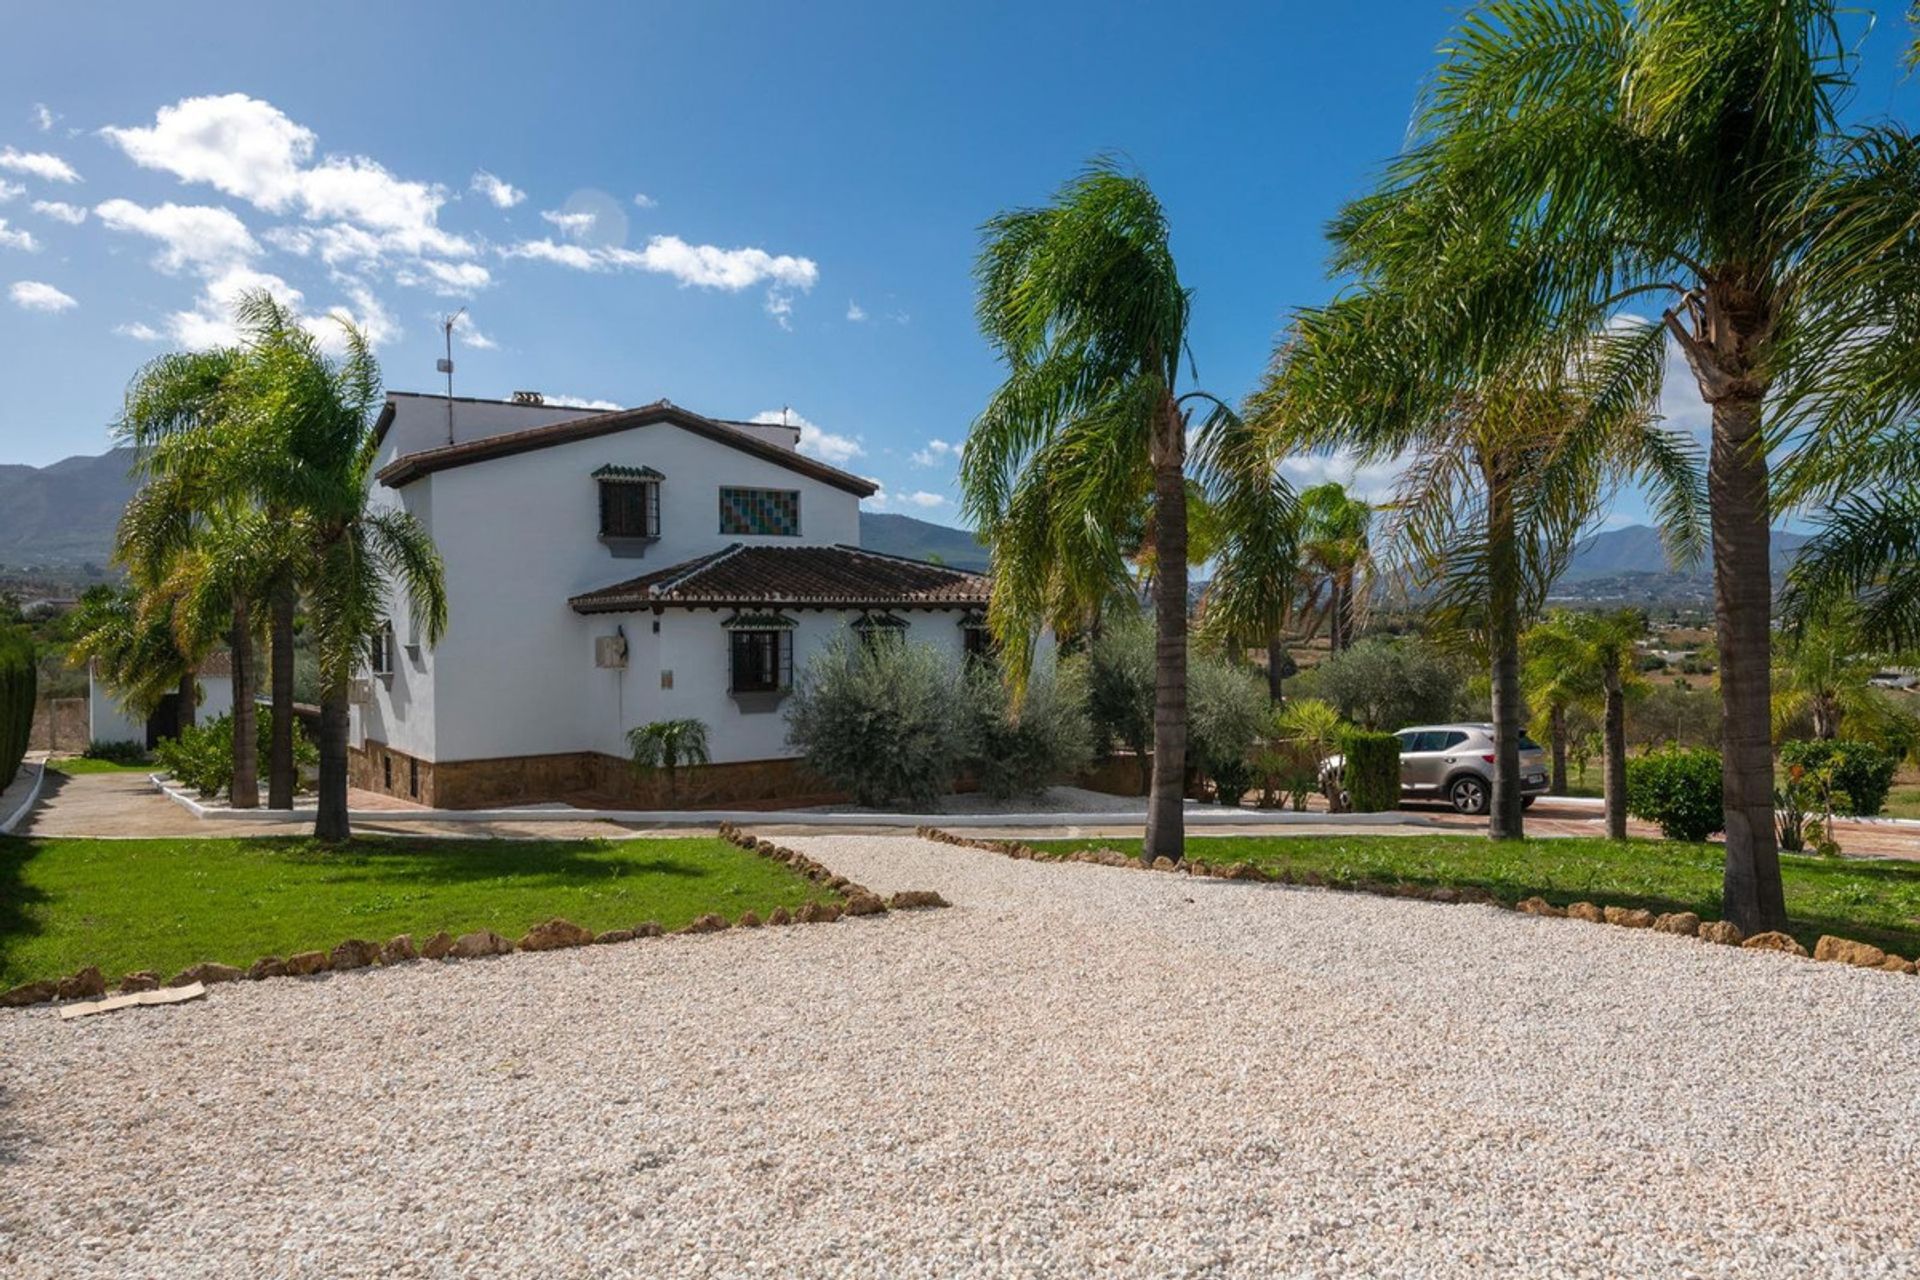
(1334, 551)
(1313, 730)
(192, 522)
(1503, 466)
(133, 649)
(1821, 671)
(668, 744)
(1573, 157)
(1255, 535)
(1586, 657)
(319, 415)
(1082, 301)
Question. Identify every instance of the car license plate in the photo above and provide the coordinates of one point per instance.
(1535, 778)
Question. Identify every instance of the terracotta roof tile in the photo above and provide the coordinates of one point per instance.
(758, 576)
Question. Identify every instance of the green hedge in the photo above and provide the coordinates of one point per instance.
(17, 687)
(1679, 788)
(1372, 771)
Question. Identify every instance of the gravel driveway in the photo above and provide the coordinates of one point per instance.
(1076, 1071)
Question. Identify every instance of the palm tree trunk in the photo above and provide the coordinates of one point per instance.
(330, 818)
(1614, 760)
(1504, 820)
(244, 791)
(1826, 720)
(189, 694)
(1276, 655)
(1557, 730)
(1752, 896)
(281, 782)
(1166, 800)
(1340, 625)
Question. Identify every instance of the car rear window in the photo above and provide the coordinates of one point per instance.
(1527, 743)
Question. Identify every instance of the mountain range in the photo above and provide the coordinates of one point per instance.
(61, 517)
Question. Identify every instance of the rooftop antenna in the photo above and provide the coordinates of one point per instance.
(445, 365)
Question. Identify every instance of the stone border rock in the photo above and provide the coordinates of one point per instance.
(550, 935)
(1684, 924)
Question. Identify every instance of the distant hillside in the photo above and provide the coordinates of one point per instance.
(63, 514)
(1636, 549)
(905, 536)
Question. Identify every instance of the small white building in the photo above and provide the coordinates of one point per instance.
(109, 719)
(605, 570)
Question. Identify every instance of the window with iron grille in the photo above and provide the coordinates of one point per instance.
(629, 509)
(760, 511)
(762, 661)
(380, 650)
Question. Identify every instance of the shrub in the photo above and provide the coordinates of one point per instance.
(881, 721)
(1384, 684)
(668, 744)
(1118, 671)
(1227, 707)
(18, 681)
(1371, 774)
(1860, 773)
(1008, 754)
(202, 756)
(1679, 788)
(121, 752)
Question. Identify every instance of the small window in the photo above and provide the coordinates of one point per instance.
(762, 661)
(380, 650)
(1407, 740)
(413, 779)
(875, 629)
(774, 512)
(629, 507)
(1454, 739)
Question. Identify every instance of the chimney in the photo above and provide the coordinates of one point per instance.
(529, 397)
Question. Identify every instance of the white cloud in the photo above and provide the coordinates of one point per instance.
(711, 267)
(16, 239)
(644, 201)
(39, 164)
(567, 255)
(43, 117)
(936, 453)
(71, 214)
(206, 238)
(36, 295)
(210, 322)
(10, 191)
(249, 149)
(449, 279)
(576, 402)
(924, 499)
(375, 323)
(822, 444)
(139, 331)
(855, 312)
(468, 334)
(503, 193)
(1373, 481)
(572, 225)
(879, 499)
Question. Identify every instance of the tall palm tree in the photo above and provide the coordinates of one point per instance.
(321, 411)
(1503, 466)
(1615, 152)
(1082, 301)
(1821, 671)
(1589, 657)
(194, 525)
(1334, 552)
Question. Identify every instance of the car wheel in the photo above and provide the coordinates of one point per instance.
(1468, 794)
(1526, 802)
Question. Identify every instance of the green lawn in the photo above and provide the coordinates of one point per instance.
(75, 766)
(1877, 902)
(1903, 802)
(165, 904)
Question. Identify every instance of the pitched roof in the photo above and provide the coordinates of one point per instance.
(757, 576)
(404, 470)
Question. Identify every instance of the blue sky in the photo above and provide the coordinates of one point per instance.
(739, 207)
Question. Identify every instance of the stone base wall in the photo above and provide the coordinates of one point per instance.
(609, 781)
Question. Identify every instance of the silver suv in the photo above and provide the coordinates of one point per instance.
(1454, 762)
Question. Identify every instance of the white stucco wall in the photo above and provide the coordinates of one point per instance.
(108, 719)
(519, 535)
(420, 422)
(695, 648)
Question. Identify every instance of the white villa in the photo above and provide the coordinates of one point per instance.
(605, 570)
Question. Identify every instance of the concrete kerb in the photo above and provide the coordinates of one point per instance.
(1201, 817)
(11, 820)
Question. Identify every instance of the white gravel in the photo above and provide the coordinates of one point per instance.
(1078, 1070)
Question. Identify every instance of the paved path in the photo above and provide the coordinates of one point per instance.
(1076, 1071)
